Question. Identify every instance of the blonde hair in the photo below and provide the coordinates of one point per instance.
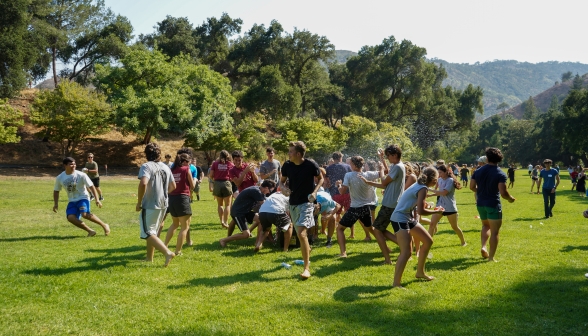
(428, 174)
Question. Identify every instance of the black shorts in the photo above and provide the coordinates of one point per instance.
(449, 213)
(96, 181)
(373, 207)
(281, 221)
(404, 226)
(534, 178)
(362, 213)
(383, 218)
(511, 179)
(242, 221)
(234, 187)
(179, 205)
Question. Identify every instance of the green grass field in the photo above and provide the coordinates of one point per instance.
(54, 280)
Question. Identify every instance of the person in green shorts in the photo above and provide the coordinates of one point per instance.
(489, 183)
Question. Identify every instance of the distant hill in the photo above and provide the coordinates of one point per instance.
(511, 82)
(543, 100)
(341, 56)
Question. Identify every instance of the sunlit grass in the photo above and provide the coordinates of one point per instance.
(54, 280)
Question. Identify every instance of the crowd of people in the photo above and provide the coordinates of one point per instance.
(291, 196)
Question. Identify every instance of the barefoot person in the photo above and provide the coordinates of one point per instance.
(155, 182)
(223, 189)
(393, 183)
(179, 201)
(405, 225)
(447, 185)
(75, 184)
(301, 172)
(244, 210)
(274, 211)
(489, 183)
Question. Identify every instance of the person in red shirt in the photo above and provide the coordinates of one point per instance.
(179, 201)
(222, 189)
(242, 174)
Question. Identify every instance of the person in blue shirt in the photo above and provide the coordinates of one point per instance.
(550, 178)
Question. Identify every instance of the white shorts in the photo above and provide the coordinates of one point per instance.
(149, 220)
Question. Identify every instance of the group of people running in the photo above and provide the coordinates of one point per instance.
(291, 196)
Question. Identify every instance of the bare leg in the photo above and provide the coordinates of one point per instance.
(381, 239)
(367, 231)
(287, 237)
(404, 244)
(453, 221)
(172, 230)
(495, 225)
(95, 219)
(161, 225)
(237, 236)
(227, 210)
(305, 249)
(261, 235)
(484, 235)
(433, 225)
(185, 223)
(423, 236)
(75, 221)
(155, 243)
(99, 192)
(351, 232)
(341, 240)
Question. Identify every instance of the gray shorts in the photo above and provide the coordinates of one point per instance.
(149, 220)
(383, 219)
(222, 189)
(302, 215)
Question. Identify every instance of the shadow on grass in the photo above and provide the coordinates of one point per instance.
(39, 238)
(529, 219)
(453, 264)
(570, 248)
(450, 231)
(107, 258)
(357, 293)
(257, 276)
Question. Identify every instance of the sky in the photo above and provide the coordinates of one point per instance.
(458, 31)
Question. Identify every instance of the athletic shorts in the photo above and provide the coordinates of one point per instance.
(383, 218)
(179, 205)
(573, 180)
(404, 226)
(242, 221)
(490, 212)
(534, 178)
(373, 207)
(222, 189)
(234, 187)
(449, 213)
(511, 179)
(464, 179)
(96, 181)
(77, 208)
(267, 219)
(362, 213)
(302, 215)
(344, 200)
(149, 220)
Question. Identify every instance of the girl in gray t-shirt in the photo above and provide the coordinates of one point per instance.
(447, 184)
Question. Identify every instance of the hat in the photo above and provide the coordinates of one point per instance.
(483, 159)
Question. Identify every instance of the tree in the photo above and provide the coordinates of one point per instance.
(72, 113)
(520, 142)
(151, 93)
(320, 139)
(578, 82)
(502, 106)
(22, 45)
(173, 36)
(530, 110)
(572, 123)
(566, 76)
(213, 39)
(86, 33)
(11, 119)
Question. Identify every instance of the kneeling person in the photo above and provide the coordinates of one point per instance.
(327, 208)
(274, 211)
(75, 183)
(243, 211)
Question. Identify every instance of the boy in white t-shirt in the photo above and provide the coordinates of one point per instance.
(75, 183)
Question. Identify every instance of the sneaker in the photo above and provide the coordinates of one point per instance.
(329, 243)
(91, 197)
(101, 198)
(198, 197)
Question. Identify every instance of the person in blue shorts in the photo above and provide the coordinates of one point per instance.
(75, 184)
(550, 178)
(489, 183)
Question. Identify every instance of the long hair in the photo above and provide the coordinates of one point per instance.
(180, 158)
(224, 157)
(444, 169)
(428, 174)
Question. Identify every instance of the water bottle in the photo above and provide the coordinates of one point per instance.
(286, 266)
(300, 262)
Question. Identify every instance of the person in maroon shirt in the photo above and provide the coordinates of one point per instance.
(179, 201)
(222, 190)
(242, 174)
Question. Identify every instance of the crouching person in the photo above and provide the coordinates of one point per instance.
(275, 211)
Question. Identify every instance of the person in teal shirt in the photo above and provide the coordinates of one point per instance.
(550, 178)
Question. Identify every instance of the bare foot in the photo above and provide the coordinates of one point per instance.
(178, 253)
(351, 237)
(386, 263)
(222, 243)
(224, 225)
(409, 259)
(305, 275)
(190, 243)
(106, 229)
(425, 277)
(257, 248)
(398, 286)
(343, 255)
(168, 259)
(367, 239)
(147, 260)
(492, 259)
(484, 253)
(464, 244)
(91, 233)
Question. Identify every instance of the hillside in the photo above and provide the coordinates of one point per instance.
(511, 82)
(543, 100)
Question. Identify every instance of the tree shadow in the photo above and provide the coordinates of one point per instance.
(352, 262)
(570, 248)
(450, 231)
(108, 258)
(40, 238)
(359, 293)
(453, 264)
(257, 276)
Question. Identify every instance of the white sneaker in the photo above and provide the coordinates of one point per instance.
(586, 275)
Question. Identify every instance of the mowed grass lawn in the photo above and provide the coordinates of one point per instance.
(54, 280)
